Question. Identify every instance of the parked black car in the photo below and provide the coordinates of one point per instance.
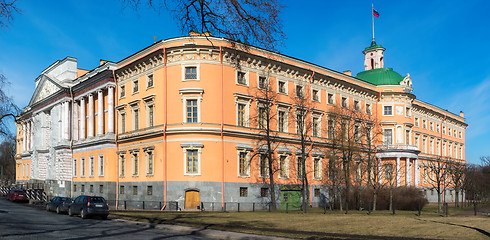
(89, 206)
(59, 204)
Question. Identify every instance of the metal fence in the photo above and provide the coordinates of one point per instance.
(203, 206)
(32, 194)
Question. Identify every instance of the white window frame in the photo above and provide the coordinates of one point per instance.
(392, 110)
(318, 117)
(247, 74)
(198, 72)
(133, 84)
(303, 93)
(368, 108)
(147, 77)
(135, 162)
(74, 167)
(247, 151)
(192, 146)
(319, 99)
(320, 160)
(91, 167)
(147, 151)
(285, 110)
(266, 165)
(286, 170)
(267, 82)
(358, 105)
(392, 135)
(101, 165)
(122, 88)
(187, 94)
(333, 98)
(122, 166)
(149, 102)
(135, 107)
(82, 167)
(346, 101)
(285, 87)
(245, 100)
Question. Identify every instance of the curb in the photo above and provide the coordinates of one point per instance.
(210, 233)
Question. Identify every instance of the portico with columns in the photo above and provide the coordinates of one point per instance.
(404, 162)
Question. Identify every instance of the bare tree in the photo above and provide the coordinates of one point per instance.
(7, 159)
(7, 10)
(437, 177)
(8, 110)
(267, 139)
(456, 173)
(254, 22)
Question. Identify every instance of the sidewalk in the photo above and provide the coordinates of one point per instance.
(203, 232)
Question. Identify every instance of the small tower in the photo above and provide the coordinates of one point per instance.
(373, 56)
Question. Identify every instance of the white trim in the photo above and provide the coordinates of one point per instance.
(247, 73)
(198, 72)
(101, 163)
(285, 86)
(91, 162)
(333, 97)
(286, 161)
(192, 146)
(247, 151)
(383, 110)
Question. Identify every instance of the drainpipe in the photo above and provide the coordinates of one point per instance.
(165, 129)
(116, 132)
(221, 132)
(444, 184)
(311, 146)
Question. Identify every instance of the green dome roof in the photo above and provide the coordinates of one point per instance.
(373, 46)
(381, 76)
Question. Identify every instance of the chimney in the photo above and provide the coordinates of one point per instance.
(102, 62)
(461, 114)
(348, 72)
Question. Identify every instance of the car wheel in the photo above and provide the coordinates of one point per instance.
(70, 212)
(83, 215)
(47, 208)
(58, 211)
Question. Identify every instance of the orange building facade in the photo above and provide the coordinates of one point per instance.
(180, 122)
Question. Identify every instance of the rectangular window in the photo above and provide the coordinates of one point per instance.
(101, 188)
(74, 167)
(243, 192)
(388, 172)
(150, 115)
(149, 81)
(330, 129)
(368, 134)
(316, 168)
(241, 115)
(101, 166)
(122, 91)
(135, 157)
(135, 190)
(149, 163)
(91, 188)
(431, 126)
(262, 118)
(192, 161)
(264, 171)
(424, 124)
(191, 110)
(416, 122)
(282, 166)
(315, 127)
(190, 73)
(82, 167)
(123, 122)
(121, 189)
(345, 103)
(315, 95)
(449, 131)
(135, 86)
(241, 78)
(264, 192)
(437, 128)
(282, 87)
(444, 130)
(299, 165)
(407, 137)
(263, 83)
(424, 145)
(74, 188)
(149, 190)
(299, 91)
(91, 166)
(136, 120)
(454, 133)
(407, 111)
(387, 136)
(388, 110)
(122, 162)
(330, 99)
(357, 106)
(83, 188)
(317, 192)
(357, 133)
(431, 147)
(242, 164)
(281, 121)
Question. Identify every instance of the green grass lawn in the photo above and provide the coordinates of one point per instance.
(333, 224)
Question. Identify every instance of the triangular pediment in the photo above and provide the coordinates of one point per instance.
(44, 89)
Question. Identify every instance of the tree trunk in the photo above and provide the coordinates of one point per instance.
(439, 202)
(391, 199)
(375, 196)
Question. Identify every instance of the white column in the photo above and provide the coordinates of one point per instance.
(31, 134)
(417, 175)
(110, 113)
(82, 118)
(66, 121)
(380, 175)
(76, 117)
(398, 171)
(100, 112)
(28, 126)
(90, 115)
(24, 135)
(407, 172)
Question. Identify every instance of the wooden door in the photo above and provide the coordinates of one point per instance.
(191, 199)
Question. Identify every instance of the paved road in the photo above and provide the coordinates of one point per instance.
(20, 221)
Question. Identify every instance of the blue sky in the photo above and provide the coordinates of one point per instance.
(443, 44)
